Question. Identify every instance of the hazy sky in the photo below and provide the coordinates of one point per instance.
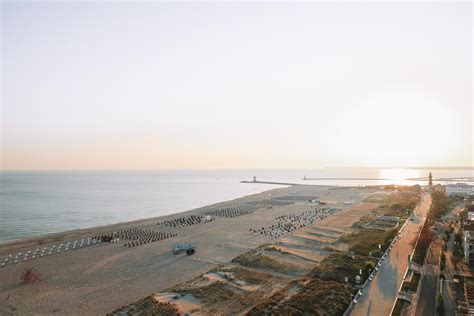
(179, 85)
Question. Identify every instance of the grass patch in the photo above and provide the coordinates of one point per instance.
(257, 259)
(316, 297)
(413, 285)
(397, 310)
(426, 237)
(337, 266)
(210, 294)
(239, 273)
(149, 307)
(441, 204)
(367, 241)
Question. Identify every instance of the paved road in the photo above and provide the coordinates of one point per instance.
(380, 294)
(449, 295)
(448, 291)
(430, 281)
(427, 296)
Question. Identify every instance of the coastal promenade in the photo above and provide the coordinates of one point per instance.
(380, 294)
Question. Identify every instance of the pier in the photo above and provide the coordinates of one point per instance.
(269, 182)
(304, 178)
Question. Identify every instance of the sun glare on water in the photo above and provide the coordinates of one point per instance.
(399, 176)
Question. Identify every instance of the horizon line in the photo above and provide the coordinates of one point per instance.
(237, 168)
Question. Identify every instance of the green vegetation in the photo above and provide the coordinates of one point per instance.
(442, 263)
(426, 237)
(450, 229)
(397, 310)
(315, 297)
(440, 308)
(458, 248)
(413, 284)
(147, 306)
(440, 206)
(252, 277)
(212, 293)
(257, 259)
(403, 188)
(447, 234)
(403, 203)
(367, 241)
(338, 266)
(400, 203)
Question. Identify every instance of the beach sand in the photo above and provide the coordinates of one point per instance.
(101, 278)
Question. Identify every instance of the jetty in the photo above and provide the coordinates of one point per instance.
(254, 180)
(358, 179)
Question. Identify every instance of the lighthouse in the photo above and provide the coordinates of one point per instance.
(430, 182)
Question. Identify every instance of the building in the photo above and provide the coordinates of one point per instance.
(470, 216)
(468, 243)
(459, 189)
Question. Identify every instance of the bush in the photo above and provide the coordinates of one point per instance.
(256, 258)
(367, 241)
(337, 266)
(413, 285)
(441, 205)
(316, 297)
(440, 308)
(442, 264)
(397, 310)
(458, 250)
(147, 306)
(426, 237)
(458, 238)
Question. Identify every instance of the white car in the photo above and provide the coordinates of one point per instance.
(371, 277)
(354, 301)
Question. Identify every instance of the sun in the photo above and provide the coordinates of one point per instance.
(399, 174)
(397, 128)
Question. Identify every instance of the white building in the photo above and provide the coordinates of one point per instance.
(461, 189)
(470, 216)
(468, 243)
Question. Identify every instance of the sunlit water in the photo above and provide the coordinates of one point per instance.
(36, 203)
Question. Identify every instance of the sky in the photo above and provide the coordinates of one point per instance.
(163, 85)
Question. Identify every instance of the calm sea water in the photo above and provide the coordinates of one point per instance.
(36, 203)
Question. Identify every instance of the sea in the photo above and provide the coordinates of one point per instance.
(34, 203)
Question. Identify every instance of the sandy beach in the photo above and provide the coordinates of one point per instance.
(102, 277)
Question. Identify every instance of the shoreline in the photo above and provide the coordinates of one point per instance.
(89, 230)
(131, 222)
